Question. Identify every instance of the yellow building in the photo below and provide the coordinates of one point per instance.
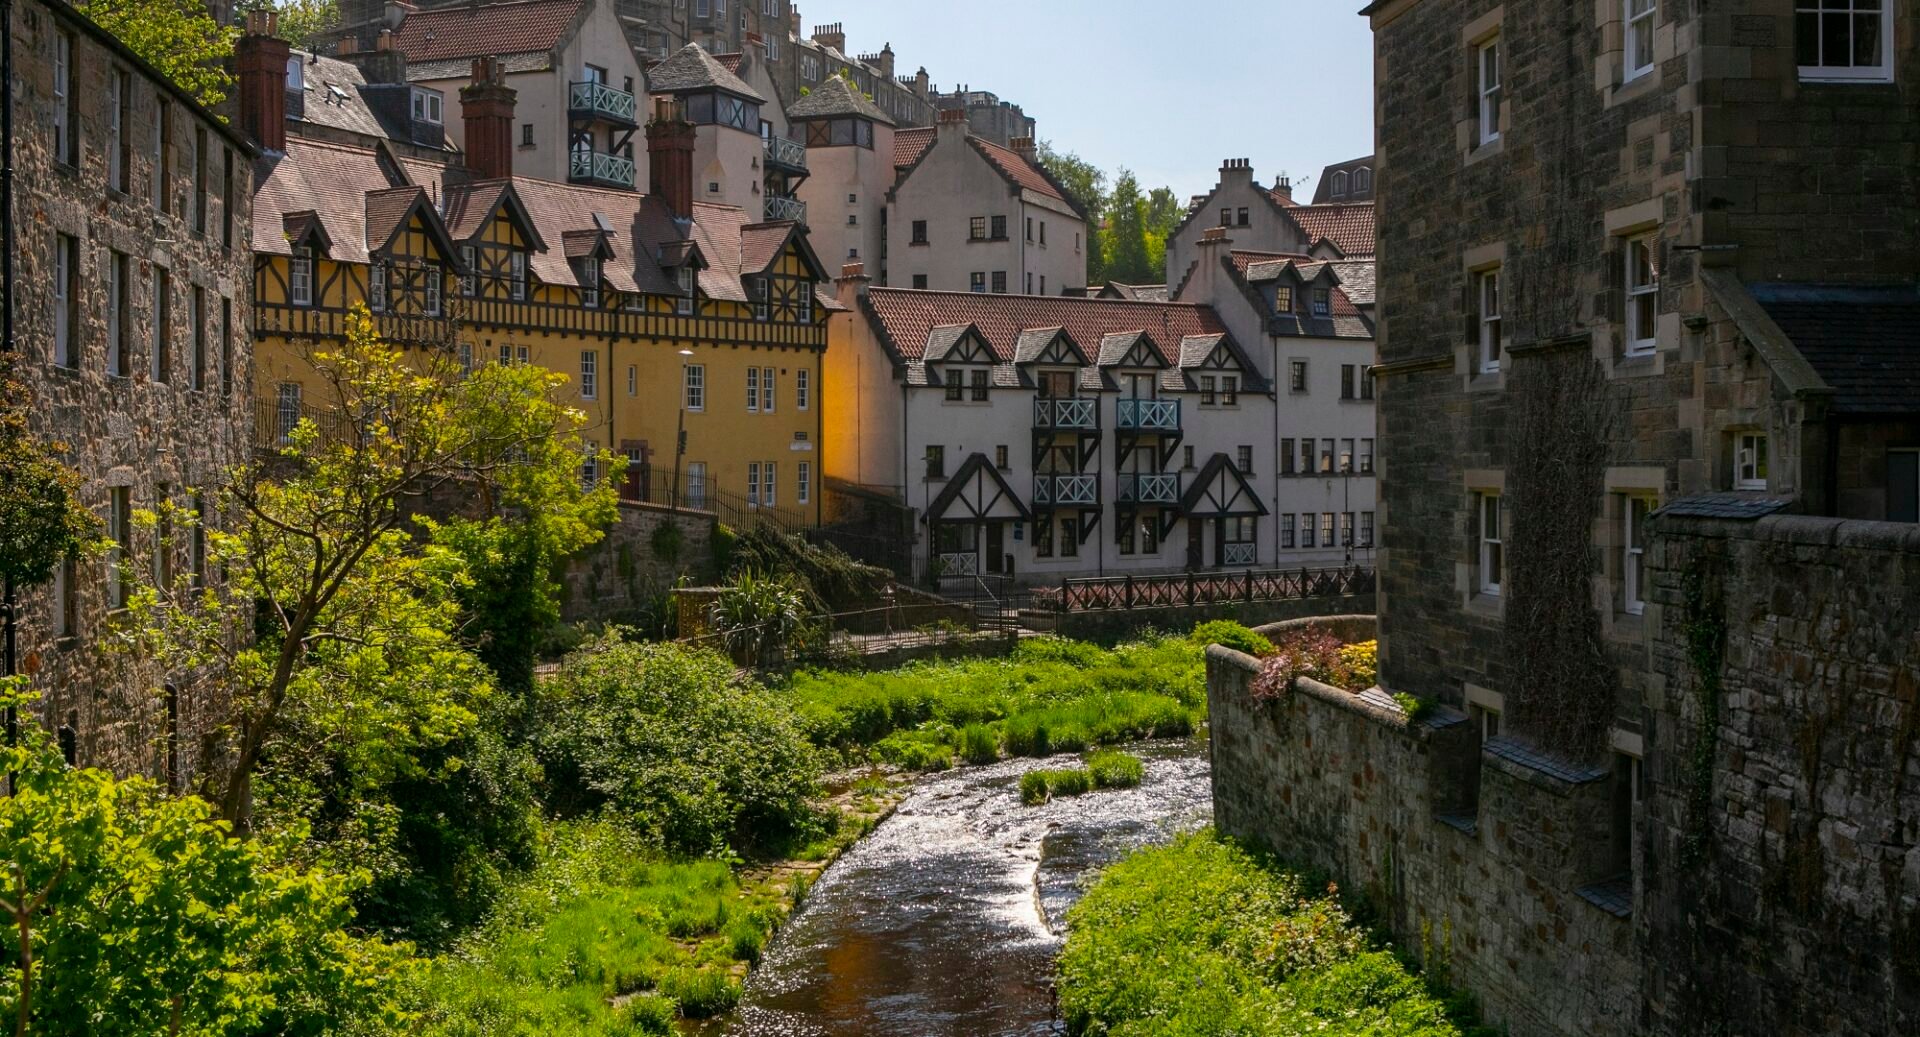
(663, 313)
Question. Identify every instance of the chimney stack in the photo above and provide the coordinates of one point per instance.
(1236, 170)
(262, 63)
(1025, 147)
(831, 36)
(852, 282)
(670, 156)
(486, 107)
(1283, 188)
(951, 120)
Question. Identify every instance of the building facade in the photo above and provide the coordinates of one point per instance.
(1267, 219)
(130, 295)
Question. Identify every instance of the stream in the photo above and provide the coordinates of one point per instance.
(944, 921)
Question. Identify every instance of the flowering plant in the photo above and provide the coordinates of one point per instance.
(1316, 654)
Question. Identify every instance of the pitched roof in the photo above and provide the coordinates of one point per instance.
(1863, 340)
(692, 68)
(1245, 260)
(1135, 292)
(331, 96)
(461, 68)
(387, 211)
(906, 317)
(1350, 227)
(330, 180)
(471, 31)
(1323, 190)
(835, 96)
(1356, 280)
(1021, 171)
(730, 62)
(911, 143)
(761, 244)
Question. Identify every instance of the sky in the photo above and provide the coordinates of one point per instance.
(1165, 89)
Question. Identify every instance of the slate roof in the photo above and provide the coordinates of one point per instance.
(1034, 341)
(906, 316)
(1723, 505)
(331, 180)
(692, 68)
(1863, 340)
(471, 31)
(1021, 171)
(386, 213)
(462, 68)
(835, 96)
(1322, 191)
(1136, 292)
(1356, 280)
(1349, 227)
(1244, 260)
(1533, 759)
(331, 96)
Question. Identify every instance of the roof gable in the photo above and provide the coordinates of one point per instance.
(976, 491)
(691, 68)
(1131, 349)
(904, 318)
(1048, 346)
(1220, 490)
(957, 344)
(835, 96)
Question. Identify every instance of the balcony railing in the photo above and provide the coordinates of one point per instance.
(593, 167)
(1068, 413)
(590, 100)
(1065, 489)
(790, 154)
(1149, 488)
(1148, 415)
(1237, 554)
(778, 208)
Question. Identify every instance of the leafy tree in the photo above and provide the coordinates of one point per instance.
(354, 657)
(1088, 186)
(1129, 259)
(134, 913)
(178, 37)
(307, 23)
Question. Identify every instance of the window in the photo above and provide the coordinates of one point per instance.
(197, 317)
(999, 228)
(226, 346)
(806, 304)
(470, 280)
(1286, 530)
(1043, 232)
(936, 462)
(66, 122)
(702, 8)
(1346, 529)
(1488, 59)
(162, 159)
(1322, 302)
(1306, 529)
(162, 538)
(697, 484)
(977, 281)
(517, 275)
(803, 483)
(120, 534)
(1043, 284)
(919, 232)
(1229, 390)
(920, 281)
(426, 104)
(1186, 457)
(1366, 381)
(1226, 217)
(589, 374)
(1844, 39)
(999, 282)
(1487, 290)
(1208, 395)
(1043, 538)
(1326, 455)
(226, 198)
(766, 485)
(199, 180)
(766, 390)
(1346, 455)
(977, 382)
(377, 286)
(977, 228)
(526, 135)
(955, 387)
(159, 352)
(119, 321)
(1029, 282)
(633, 380)
(1366, 457)
(1243, 459)
(1286, 457)
(466, 358)
(1492, 563)
(1000, 457)
(1366, 529)
(300, 277)
(1326, 529)
(119, 156)
(1283, 300)
(432, 276)
(286, 408)
(753, 483)
(1633, 554)
(197, 551)
(1750, 461)
(66, 300)
(1241, 216)
(802, 388)
(1639, 45)
(1643, 296)
(1297, 376)
(1346, 381)
(589, 282)
(1362, 180)
(1069, 537)
(1338, 187)
(1029, 228)
(1306, 457)
(753, 390)
(694, 387)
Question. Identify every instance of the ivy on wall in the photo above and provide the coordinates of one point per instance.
(1704, 624)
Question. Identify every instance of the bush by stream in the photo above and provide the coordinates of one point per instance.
(1203, 937)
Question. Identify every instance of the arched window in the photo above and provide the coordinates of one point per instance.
(1362, 180)
(1339, 184)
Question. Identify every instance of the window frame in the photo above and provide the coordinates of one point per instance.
(589, 374)
(1489, 79)
(693, 387)
(160, 346)
(1490, 545)
(1642, 300)
(1758, 460)
(1296, 375)
(1488, 344)
(1633, 554)
(802, 388)
(803, 483)
(1880, 73)
(66, 123)
(766, 390)
(1638, 30)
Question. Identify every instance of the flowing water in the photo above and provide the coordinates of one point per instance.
(944, 921)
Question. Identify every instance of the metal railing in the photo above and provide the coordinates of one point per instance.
(959, 563)
(600, 168)
(1071, 413)
(1065, 489)
(1096, 594)
(598, 100)
(1147, 415)
(655, 487)
(779, 208)
(1148, 488)
(789, 153)
(274, 419)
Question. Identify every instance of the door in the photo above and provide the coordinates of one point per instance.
(996, 547)
(1056, 385)
(1143, 387)
(1196, 550)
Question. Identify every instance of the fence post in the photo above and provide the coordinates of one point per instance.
(1129, 590)
(1189, 586)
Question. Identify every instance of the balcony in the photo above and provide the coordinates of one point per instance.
(599, 102)
(1149, 488)
(790, 155)
(593, 167)
(1065, 489)
(778, 208)
(1068, 414)
(1147, 415)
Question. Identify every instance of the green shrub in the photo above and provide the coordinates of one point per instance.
(1112, 769)
(1227, 633)
(978, 744)
(1038, 786)
(650, 1014)
(915, 751)
(701, 993)
(1202, 937)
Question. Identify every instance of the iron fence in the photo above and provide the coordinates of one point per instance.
(1106, 593)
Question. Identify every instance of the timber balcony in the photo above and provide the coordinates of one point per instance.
(593, 167)
(1065, 489)
(1148, 488)
(1147, 415)
(598, 102)
(778, 208)
(790, 155)
(1066, 414)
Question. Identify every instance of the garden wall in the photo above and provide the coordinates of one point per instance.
(1113, 624)
(637, 562)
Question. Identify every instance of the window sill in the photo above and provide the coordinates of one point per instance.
(1487, 150)
(1482, 603)
(919, 244)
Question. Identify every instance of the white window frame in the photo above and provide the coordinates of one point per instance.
(697, 484)
(753, 390)
(286, 409)
(767, 497)
(1877, 73)
(803, 487)
(766, 390)
(802, 394)
(517, 275)
(753, 484)
(1633, 554)
(377, 286)
(433, 275)
(1490, 519)
(1639, 37)
(694, 387)
(469, 281)
(300, 277)
(683, 305)
(1750, 460)
(120, 536)
(1486, 286)
(1643, 299)
(589, 463)
(589, 374)
(589, 282)
(1488, 77)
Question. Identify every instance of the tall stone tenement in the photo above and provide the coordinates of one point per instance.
(133, 274)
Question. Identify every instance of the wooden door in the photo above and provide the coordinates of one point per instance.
(1195, 543)
(996, 547)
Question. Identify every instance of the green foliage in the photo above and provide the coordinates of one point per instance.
(978, 744)
(761, 617)
(1038, 786)
(924, 750)
(724, 542)
(138, 907)
(673, 744)
(666, 542)
(1704, 624)
(1230, 634)
(305, 24)
(832, 580)
(1112, 769)
(1316, 654)
(179, 37)
(42, 521)
(1086, 184)
(1203, 938)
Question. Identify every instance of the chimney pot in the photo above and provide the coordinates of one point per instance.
(345, 45)
(384, 41)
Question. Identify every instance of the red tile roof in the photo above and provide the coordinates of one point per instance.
(730, 62)
(332, 180)
(907, 316)
(1020, 170)
(1348, 226)
(466, 31)
(909, 144)
(760, 245)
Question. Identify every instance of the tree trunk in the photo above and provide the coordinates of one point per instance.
(23, 915)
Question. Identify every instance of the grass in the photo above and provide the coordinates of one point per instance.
(1112, 769)
(1204, 937)
(1105, 769)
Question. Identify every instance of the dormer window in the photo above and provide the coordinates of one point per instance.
(517, 275)
(589, 282)
(757, 290)
(1322, 302)
(470, 279)
(1339, 187)
(296, 74)
(377, 287)
(1283, 299)
(1362, 180)
(433, 275)
(684, 304)
(426, 106)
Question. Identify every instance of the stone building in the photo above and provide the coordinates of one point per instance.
(133, 276)
(1002, 122)
(1647, 309)
(1267, 219)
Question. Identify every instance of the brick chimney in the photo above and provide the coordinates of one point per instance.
(886, 59)
(852, 282)
(1283, 188)
(951, 120)
(670, 156)
(831, 36)
(1206, 282)
(486, 108)
(1025, 146)
(1236, 170)
(261, 60)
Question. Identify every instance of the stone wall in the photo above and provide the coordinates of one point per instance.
(1113, 624)
(1476, 852)
(637, 563)
(1782, 889)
